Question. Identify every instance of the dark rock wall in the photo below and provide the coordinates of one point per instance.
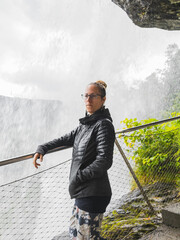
(164, 14)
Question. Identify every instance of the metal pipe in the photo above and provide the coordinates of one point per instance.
(134, 176)
(28, 156)
(31, 155)
(147, 125)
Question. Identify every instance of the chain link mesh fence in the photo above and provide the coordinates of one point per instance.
(36, 207)
(154, 155)
(39, 206)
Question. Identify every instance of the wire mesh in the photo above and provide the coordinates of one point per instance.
(36, 207)
(39, 206)
(154, 154)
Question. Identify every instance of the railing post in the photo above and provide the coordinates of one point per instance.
(134, 176)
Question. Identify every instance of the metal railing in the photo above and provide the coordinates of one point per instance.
(38, 206)
(28, 156)
(31, 155)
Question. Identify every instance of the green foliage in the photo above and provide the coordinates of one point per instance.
(155, 150)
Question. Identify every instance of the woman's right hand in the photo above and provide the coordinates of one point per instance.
(36, 156)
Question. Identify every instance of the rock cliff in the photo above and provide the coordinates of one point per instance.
(164, 14)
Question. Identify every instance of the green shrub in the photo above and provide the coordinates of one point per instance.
(155, 150)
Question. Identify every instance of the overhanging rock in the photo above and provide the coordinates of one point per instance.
(164, 14)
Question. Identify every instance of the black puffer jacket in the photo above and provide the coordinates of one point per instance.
(93, 143)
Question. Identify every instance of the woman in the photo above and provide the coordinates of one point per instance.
(93, 143)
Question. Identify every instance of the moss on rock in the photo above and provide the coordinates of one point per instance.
(133, 219)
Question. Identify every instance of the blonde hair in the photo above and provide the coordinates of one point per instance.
(102, 83)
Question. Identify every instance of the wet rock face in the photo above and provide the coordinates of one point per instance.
(130, 217)
(164, 14)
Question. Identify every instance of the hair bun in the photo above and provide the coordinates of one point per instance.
(102, 83)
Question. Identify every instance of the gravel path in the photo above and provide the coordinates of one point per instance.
(163, 233)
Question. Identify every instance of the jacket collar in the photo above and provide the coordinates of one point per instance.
(99, 114)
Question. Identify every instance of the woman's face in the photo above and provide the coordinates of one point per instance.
(94, 101)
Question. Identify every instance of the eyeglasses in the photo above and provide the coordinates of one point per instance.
(91, 96)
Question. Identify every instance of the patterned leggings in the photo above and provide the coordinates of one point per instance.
(84, 225)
